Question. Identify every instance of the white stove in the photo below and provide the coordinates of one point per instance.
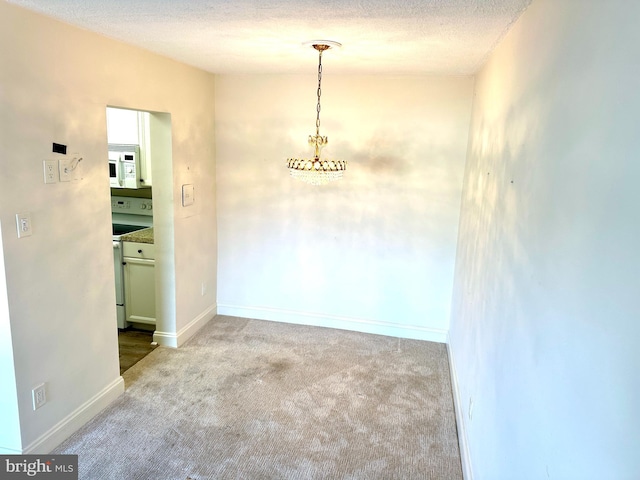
(128, 214)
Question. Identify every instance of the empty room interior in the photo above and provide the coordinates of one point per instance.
(482, 201)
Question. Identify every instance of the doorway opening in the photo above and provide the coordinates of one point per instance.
(140, 170)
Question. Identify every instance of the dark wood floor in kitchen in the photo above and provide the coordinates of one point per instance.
(134, 345)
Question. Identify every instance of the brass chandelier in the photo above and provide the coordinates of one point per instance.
(316, 171)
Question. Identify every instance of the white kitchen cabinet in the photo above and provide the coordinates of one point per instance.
(146, 147)
(132, 127)
(139, 282)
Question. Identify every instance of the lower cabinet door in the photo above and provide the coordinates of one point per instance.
(140, 290)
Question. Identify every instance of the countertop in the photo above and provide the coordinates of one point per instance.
(140, 236)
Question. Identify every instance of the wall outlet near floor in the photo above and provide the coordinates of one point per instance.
(39, 395)
(203, 289)
(470, 408)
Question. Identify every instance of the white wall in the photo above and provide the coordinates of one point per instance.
(545, 320)
(56, 82)
(371, 252)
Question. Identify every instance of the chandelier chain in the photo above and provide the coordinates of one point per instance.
(319, 92)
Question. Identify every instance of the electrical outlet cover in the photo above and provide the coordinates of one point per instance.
(51, 171)
(39, 395)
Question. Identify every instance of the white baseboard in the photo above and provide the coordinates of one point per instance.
(76, 419)
(175, 340)
(331, 321)
(467, 472)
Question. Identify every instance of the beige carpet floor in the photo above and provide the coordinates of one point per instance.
(249, 399)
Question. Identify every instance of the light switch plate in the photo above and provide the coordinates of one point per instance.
(23, 222)
(187, 195)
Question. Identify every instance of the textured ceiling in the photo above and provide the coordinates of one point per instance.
(451, 37)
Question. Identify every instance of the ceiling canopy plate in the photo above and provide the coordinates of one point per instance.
(327, 43)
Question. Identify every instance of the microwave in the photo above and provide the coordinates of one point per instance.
(124, 166)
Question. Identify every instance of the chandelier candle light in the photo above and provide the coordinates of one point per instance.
(316, 171)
